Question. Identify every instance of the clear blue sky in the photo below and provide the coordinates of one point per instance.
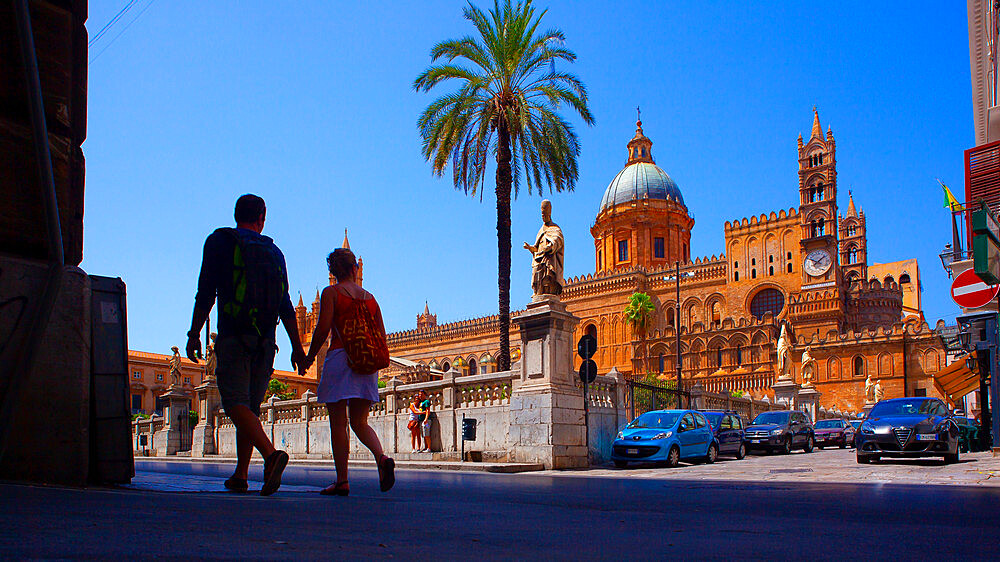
(311, 106)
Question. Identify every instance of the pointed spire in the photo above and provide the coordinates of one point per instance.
(817, 132)
(346, 244)
(300, 301)
(850, 205)
(426, 310)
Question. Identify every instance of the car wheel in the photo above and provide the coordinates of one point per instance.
(742, 452)
(809, 445)
(713, 454)
(951, 459)
(786, 447)
(674, 457)
(621, 464)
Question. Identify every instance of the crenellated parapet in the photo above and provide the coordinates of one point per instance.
(763, 222)
(483, 325)
(868, 335)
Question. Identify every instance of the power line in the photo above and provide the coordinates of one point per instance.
(108, 25)
(139, 15)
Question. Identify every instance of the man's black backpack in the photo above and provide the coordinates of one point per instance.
(259, 283)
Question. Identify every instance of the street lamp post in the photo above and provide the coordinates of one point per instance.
(677, 318)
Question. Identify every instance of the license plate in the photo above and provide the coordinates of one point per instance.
(821, 439)
(755, 440)
(926, 437)
(631, 451)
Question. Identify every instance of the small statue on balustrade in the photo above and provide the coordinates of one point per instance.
(175, 367)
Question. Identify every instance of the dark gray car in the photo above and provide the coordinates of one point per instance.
(781, 431)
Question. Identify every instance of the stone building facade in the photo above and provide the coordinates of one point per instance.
(805, 268)
(149, 377)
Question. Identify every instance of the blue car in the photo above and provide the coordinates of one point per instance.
(666, 436)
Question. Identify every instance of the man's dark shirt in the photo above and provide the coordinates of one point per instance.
(216, 280)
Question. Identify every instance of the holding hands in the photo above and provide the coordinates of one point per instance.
(301, 361)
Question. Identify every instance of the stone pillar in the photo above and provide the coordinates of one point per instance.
(546, 409)
(168, 439)
(808, 400)
(697, 394)
(786, 392)
(203, 440)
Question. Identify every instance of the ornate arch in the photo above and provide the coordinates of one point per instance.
(885, 366)
(833, 368)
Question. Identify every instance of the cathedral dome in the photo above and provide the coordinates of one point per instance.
(641, 180)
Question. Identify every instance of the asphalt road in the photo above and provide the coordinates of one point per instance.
(458, 515)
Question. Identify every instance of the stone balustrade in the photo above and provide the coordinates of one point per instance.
(301, 426)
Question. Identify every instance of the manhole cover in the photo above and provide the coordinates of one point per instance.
(789, 470)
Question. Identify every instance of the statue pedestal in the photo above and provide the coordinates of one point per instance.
(808, 400)
(546, 408)
(869, 406)
(786, 392)
(168, 440)
(203, 440)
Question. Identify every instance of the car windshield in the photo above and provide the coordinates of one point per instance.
(902, 408)
(765, 418)
(714, 418)
(855, 423)
(828, 424)
(654, 420)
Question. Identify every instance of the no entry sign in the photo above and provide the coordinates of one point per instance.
(969, 291)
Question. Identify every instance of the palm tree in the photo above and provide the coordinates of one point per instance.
(505, 106)
(639, 313)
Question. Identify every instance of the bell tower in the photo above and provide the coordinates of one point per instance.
(818, 208)
(853, 244)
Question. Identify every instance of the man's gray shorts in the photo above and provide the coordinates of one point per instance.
(245, 364)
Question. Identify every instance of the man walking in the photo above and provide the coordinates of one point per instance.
(246, 272)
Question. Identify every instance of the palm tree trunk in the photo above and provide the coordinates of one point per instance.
(503, 187)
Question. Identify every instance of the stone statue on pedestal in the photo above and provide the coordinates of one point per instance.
(878, 392)
(211, 362)
(547, 252)
(808, 367)
(869, 390)
(784, 354)
(175, 367)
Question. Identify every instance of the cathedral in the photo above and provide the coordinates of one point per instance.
(804, 268)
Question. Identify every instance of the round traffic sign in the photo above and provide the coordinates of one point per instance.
(588, 371)
(587, 346)
(969, 291)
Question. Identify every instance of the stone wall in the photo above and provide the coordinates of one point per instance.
(301, 426)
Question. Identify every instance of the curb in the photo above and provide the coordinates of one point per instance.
(498, 468)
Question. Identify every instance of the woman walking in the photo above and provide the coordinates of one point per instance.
(347, 394)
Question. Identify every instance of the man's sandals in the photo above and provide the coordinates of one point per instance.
(274, 465)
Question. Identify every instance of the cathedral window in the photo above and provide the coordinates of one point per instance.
(768, 300)
(736, 276)
(736, 271)
(770, 259)
(753, 273)
(904, 278)
(718, 357)
(623, 250)
(716, 313)
(789, 255)
(739, 354)
(136, 403)
(753, 261)
(789, 267)
(852, 230)
(446, 367)
(658, 248)
(770, 270)
(859, 367)
(852, 256)
(661, 362)
(670, 317)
